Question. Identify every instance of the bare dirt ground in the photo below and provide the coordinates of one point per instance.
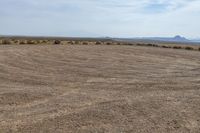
(113, 89)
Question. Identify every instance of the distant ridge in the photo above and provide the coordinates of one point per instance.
(177, 38)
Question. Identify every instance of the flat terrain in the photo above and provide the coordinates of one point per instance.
(99, 88)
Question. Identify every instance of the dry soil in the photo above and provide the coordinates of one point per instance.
(113, 89)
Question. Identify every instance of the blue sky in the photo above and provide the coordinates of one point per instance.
(98, 18)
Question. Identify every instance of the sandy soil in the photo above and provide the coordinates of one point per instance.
(114, 89)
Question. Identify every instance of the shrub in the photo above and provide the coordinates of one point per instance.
(85, 43)
(177, 47)
(130, 44)
(189, 48)
(6, 42)
(98, 43)
(44, 41)
(30, 42)
(22, 42)
(154, 45)
(108, 43)
(76, 42)
(150, 45)
(165, 46)
(199, 48)
(57, 42)
(71, 42)
(16, 41)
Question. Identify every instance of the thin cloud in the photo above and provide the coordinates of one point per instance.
(100, 17)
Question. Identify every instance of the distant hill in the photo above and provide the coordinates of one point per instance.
(196, 40)
(177, 39)
(168, 39)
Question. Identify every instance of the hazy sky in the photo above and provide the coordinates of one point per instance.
(98, 18)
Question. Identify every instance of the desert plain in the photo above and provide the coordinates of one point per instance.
(98, 88)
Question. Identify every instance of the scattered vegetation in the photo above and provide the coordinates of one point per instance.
(129, 44)
(30, 42)
(44, 41)
(166, 46)
(189, 48)
(16, 41)
(108, 43)
(77, 42)
(98, 43)
(57, 42)
(85, 43)
(22, 42)
(6, 42)
(151, 45)
(71, 42)
(177, 47)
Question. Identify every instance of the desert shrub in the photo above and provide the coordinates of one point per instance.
(77, 42)
(199, 49)
(130, 44)
(177, 47)
(44, 41)
(98, 43)
(85, 43)
(140, 44)
(189, 48)
(22, 42)
(30, 42)
(155, 45)
(57, 42)
(165, 46)
(71, 42)
(6, 42)
(16, 41)
(38, 41)
(108, 43)
(151, 45)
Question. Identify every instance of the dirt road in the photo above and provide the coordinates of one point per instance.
(114, 89)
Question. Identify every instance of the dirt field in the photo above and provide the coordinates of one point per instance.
(114, 89)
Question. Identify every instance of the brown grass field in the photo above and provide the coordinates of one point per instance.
(99, 88)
